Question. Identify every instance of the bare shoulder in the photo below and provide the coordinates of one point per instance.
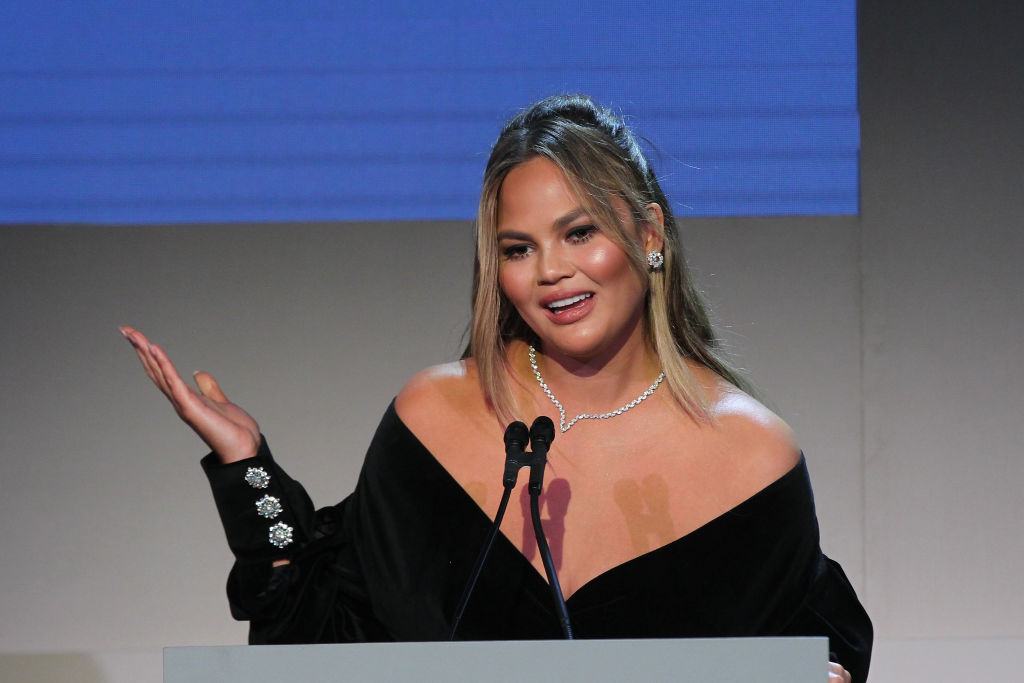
(765, 445)
(438, 395)
(445, 383)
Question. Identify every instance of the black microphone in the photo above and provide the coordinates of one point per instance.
(516, 436)
(516, 458)
(542, 433)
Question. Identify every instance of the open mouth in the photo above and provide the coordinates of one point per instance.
(567, 304)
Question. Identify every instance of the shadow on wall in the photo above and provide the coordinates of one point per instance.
(53, 667)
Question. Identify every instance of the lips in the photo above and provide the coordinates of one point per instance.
(567, 302)
(568, 307)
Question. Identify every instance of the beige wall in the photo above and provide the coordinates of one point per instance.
(891, 341)
(944, 318)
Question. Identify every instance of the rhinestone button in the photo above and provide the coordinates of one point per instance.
(257, 478)
(280, 535)
(268, 507)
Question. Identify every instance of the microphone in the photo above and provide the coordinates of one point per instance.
(540, 436)
(542, 433)
(516, 458)
(516, 436)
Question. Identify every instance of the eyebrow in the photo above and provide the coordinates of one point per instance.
(560, 223)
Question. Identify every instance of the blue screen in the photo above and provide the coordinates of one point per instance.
(223, 110)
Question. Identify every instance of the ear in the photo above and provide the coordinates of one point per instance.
(652, 234)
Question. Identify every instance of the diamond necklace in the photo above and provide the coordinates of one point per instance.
(587, 416)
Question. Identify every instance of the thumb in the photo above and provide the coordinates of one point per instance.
(208, 387)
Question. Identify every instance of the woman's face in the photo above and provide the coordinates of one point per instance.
(569, 281)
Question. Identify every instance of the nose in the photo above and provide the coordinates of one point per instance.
(553, 265)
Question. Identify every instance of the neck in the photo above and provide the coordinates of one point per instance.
(598, 384)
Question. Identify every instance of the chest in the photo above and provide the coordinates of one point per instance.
(609, 495)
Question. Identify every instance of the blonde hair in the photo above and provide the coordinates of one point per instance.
(603, 162)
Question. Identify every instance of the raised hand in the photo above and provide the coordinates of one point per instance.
(228, 430)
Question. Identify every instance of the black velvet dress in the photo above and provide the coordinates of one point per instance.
(390, 562)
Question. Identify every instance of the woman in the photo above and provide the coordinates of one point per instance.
(678, 505)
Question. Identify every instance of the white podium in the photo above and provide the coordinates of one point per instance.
(717, 660)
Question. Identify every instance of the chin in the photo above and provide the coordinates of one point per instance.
(584, 345)
(578, 349)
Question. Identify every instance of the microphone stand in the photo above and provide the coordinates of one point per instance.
(542, 433)
(515, 459)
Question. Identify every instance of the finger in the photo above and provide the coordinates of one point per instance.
(209, 387)
(181, 395)
(151, 371)
(133, 339)
(141, 346)
(134, 336)
(837, 674)
(149, 354)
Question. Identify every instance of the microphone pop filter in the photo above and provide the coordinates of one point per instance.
(516, 436)
(542, 433)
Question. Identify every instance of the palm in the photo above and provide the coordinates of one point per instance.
(227, 429)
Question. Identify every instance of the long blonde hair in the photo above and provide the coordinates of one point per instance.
(602, 161)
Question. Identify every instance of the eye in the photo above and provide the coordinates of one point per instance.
(581, 233)
(515, 251)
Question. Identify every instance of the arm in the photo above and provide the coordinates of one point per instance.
(296, 577)
(832, 609)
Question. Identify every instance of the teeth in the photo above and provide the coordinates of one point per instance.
(562, 303)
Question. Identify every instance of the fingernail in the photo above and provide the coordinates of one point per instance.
(124, 332)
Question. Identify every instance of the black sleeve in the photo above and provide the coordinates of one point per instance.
(320, 595)
(831, 608)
